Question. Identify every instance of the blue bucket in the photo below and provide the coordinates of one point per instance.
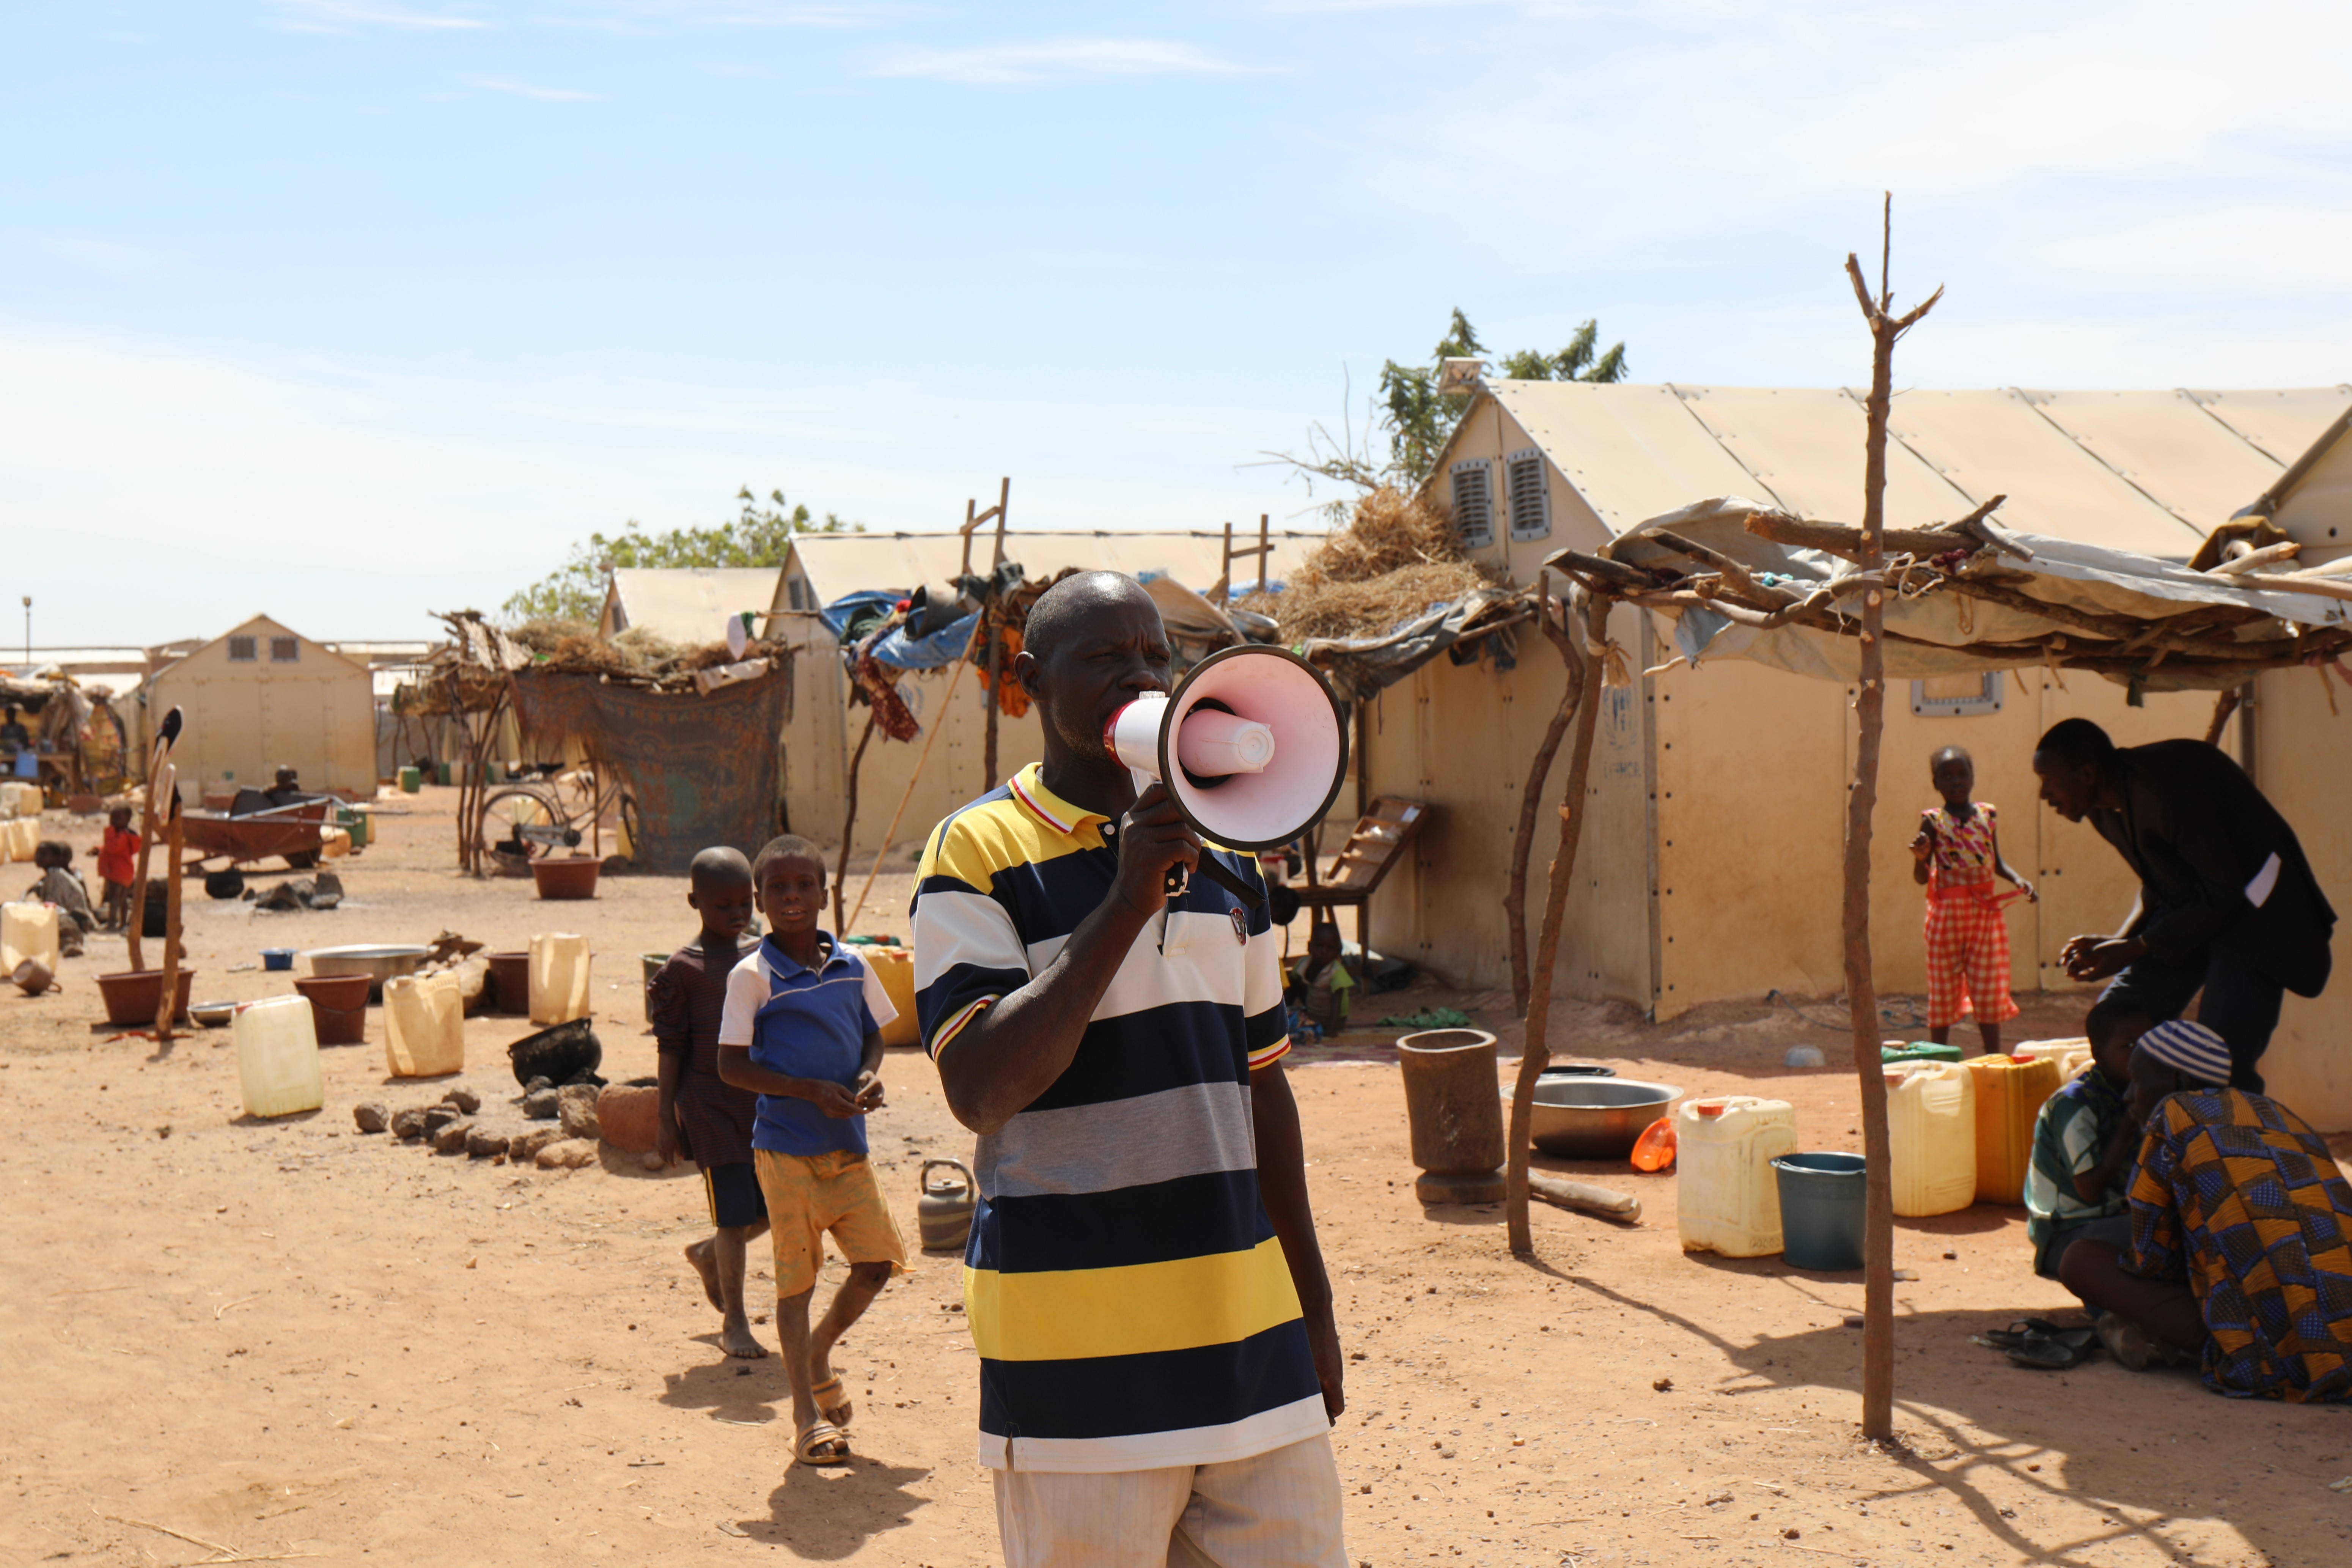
(277, 958)
(1824, 1199)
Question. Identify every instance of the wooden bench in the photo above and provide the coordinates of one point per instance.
(1374, 847)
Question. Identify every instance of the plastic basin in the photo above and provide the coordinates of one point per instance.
(573, 877)
(1824, 1198)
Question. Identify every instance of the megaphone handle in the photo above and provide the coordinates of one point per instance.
(1215, 871)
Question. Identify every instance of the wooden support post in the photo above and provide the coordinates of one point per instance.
(890, 834)
(1534, 1054)
(1515, 893)
(1869, 713)
(167, 1007)
(995, 643)
(849, 819)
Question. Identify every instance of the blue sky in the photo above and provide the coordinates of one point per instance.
(352, 310)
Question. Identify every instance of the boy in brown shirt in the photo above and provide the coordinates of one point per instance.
(708, 1121)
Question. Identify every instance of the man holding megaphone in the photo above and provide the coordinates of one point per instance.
(1098, 981)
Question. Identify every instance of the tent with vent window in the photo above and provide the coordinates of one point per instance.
(1709, 868)
(262, 697)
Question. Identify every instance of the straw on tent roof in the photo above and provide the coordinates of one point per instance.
(1397, 557)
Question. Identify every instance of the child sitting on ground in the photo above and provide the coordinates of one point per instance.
(2085, 1141)
(803, 1027)
(1955, 856)
(1321, 982)
(60, 885)
(117, 863)
(707, 1120)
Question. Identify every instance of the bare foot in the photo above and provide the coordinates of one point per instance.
(737, 1340)
(708, 1267)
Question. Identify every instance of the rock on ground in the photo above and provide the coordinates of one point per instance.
(372, 1117)
(571, 1155)
(437, 1117)
(524, 1147)
(481, 1142)
(626, 1117)
(409, 1122)
(540, 1104)
(451, 1138)
(465, 1099)
(576, 1108)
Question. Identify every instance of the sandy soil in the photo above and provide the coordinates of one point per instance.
(288, 1338)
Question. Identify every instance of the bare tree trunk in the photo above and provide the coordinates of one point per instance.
(1534, 1054)
(1515, 895)
(849, 819)
(1862, 995)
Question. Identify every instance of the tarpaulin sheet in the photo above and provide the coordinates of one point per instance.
(704, 770)
(945, 646)
(1357, 667)
(1943, 633)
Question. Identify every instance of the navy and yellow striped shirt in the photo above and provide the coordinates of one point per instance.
(1129, 1298)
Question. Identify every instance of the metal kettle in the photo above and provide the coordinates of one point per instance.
(944, 1212)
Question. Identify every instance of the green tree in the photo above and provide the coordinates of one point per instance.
(1419, 420)
(760, 535)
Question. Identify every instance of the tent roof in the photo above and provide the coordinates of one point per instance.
(839, 563)
(2151, 473)
(253, 626)
(689, 605)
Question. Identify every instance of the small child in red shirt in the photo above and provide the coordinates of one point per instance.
(1955, 856)
(117, 864)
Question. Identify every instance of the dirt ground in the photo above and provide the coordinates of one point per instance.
(286, 1338)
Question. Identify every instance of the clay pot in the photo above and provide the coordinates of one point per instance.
(338, 1006)
(133, 996)
(509, 982)
(572, 876)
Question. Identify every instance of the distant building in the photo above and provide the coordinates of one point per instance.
(262, 697)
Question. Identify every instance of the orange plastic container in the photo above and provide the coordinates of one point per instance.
(1655, 1149)
(2010, 1094)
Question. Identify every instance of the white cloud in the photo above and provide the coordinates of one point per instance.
(525, 90)
(1057, 59)
(342, 15)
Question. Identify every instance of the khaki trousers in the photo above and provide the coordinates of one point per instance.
(1278, 1510)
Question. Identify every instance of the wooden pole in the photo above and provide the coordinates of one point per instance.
(159, 774)
(166, 1007)
(849, 818)
(995, 641)
(1870, 713)
(1534, 1054)
(890, 834)
(1515, 895)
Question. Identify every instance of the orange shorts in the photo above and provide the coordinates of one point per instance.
(810, 1194)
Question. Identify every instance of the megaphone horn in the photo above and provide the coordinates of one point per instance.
(1251, 745)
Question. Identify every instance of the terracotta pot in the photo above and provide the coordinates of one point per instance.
(131, 996)
(338, 1006)
(573, 877)
(511, 983)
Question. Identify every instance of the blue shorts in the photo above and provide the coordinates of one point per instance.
(735, 1197)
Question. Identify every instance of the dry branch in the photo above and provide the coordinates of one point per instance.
(1515, 894)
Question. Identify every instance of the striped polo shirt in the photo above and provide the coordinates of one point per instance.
(1129, 1298)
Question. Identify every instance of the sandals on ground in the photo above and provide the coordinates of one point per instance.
(821, 1442)
(839, 1412)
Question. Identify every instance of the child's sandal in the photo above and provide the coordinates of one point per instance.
(838, 1414)
(821, 1442)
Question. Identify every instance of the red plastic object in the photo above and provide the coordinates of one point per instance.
(1655, 1149)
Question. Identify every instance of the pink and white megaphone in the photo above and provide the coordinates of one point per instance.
(1250, 743)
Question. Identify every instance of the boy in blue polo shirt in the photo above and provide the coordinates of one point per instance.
(802, 1026)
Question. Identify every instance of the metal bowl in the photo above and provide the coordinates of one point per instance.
(213, 1015)
(379, 963)
(1596, 1117)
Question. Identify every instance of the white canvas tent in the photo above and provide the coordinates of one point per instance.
(1710, 862)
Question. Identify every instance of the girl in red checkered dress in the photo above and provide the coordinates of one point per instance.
(1955, 857)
